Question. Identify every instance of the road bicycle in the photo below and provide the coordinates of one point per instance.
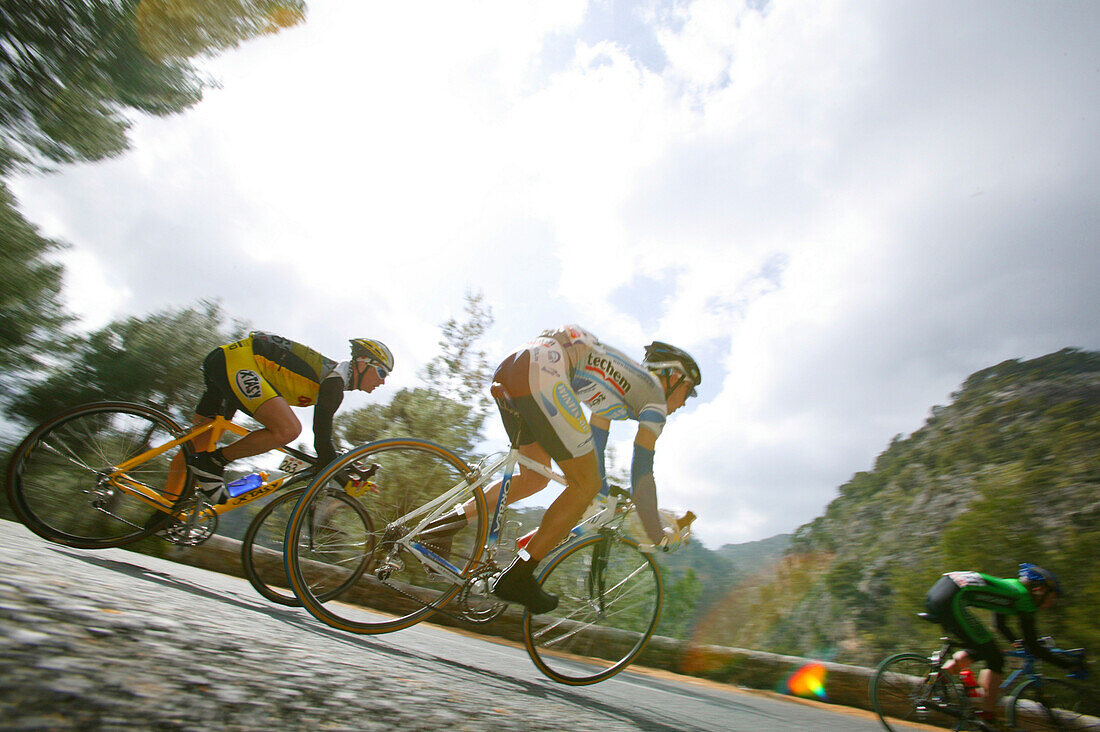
(609, 590)
(910, 687)
(109, 474)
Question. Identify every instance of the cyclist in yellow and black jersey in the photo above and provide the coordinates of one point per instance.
(265, 375)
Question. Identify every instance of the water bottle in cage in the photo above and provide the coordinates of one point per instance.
(247, 484)
(969, 682)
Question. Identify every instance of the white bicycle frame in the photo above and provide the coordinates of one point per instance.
(480, 476)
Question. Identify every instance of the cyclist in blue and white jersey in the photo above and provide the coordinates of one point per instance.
(547, 380)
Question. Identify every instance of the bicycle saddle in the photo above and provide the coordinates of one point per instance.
(499, 393)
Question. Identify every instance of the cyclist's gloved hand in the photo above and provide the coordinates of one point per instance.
(670, 543)
(677, 531)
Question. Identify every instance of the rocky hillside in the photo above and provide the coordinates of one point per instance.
(1008, 472)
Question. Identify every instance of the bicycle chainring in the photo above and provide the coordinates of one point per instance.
(183, 531)
(475, 602)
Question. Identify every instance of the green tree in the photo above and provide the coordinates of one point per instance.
(460, 371)
(71, 74)
(157, 357)
(452, 406)
(681, 602)
(71, 71)
(30, 294)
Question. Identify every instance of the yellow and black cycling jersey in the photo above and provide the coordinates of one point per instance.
(250, 372)
(284, 367)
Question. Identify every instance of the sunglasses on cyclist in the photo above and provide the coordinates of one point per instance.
(383, 372)
(682, 379)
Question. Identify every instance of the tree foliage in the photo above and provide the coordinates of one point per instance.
(71, 71)
(450, 409)
(1008, 472)
(157, 357)
(460, 371)
(71, 75)
(31, 311)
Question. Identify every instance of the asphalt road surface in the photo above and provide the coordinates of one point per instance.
(116, 640)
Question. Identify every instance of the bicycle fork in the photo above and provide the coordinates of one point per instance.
(597, 574)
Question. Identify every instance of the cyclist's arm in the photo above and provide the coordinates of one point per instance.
(1001, 621)
(329, 397)
(643, 487)
(600, 429)
(1037, 649)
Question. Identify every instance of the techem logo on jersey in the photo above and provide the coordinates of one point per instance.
(248, 382)
(604, 367)
(570, 407)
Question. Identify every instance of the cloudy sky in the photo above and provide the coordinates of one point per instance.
(842, 208)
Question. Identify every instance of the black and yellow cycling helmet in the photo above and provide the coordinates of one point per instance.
(374, 351)
(660, 357)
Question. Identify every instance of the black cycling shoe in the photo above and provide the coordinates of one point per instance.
(516, 585)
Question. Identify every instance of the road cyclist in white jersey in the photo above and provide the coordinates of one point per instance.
(540, 388)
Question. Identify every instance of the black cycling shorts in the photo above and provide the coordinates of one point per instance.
(941, 605)
(218, 399)
(524, 421)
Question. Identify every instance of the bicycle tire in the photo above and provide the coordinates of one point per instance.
(57, 484)
(348, 532)
(398, 591)
(1052, 704)
(603, 621)
(903, 691)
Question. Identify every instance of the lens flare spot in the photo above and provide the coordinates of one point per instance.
(808, 682)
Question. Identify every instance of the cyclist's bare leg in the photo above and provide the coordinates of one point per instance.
(990, 682)
(517, 583)
(280, 427)
(525, 483)
(582, 475)
(959, 661)
(177, 469)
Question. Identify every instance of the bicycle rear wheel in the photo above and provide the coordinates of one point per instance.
(904, 689)
(399, 590)
(609, 601)
(1053, 704)
(340, 530)
(62, 482)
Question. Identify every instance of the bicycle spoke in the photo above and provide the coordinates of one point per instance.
(594, 634)
(401, 587)
(906, 688)
(61, 487)
(1053, 704)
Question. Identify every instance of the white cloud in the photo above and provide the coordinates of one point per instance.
(844, 208)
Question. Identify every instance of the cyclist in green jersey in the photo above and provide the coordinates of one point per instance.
(265, 375)
(951, 599)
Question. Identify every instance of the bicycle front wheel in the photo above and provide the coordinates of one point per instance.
(341, 531)
(64, 485)
(905, 689)
(1053, 704)
(402, 586)
(609, 600)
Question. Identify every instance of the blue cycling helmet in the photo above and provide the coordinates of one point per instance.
(1033, 573)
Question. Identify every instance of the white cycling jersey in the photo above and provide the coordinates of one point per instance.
(612, 384)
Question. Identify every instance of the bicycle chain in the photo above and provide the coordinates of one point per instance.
(440, 610)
